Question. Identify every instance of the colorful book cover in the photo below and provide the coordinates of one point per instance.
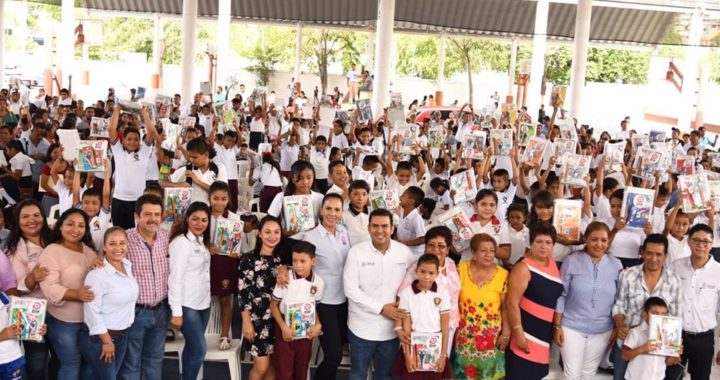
(525, 133)
(574, 168)
(568, 131)
(223, 110)
(387, 199)
(163, 106)
(425, 349)
(714, 187)
(228, 236)
(300, 317)
(502, 140)
(639, 140)
(100, 127)
(171, 132)
(637, 206)
(409, 136)
(615, 155)
(436, 137)
(185, 123)
(666, 332)
(695, 192)
(684, 165)
(464, 186)
(299, 212)
(363, 105)
(657, 136)
(647, 163)
(459, 224)
(473, 146)
(91, 156)
(557, 95)
(534, 151)
(563, 146)
(511, 110)
(30, 313)
(177, 201)
(567, 215)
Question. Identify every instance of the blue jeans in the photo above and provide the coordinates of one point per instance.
(36, 355)
(193, 329)
(362, 351)
(65, 338)
(619, 365)
(12, 370)
(91, 347)
(145, 345)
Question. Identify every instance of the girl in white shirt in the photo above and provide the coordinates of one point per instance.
(301, 182)
(270, 177)
(20, 172)
(189, 285)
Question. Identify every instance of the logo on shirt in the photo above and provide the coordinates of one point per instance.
(313, 290)
(367, 264)
(437, 301)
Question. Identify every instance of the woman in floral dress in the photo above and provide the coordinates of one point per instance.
(258, 271)
(483, 333)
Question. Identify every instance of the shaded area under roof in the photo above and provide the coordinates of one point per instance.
(503, 18)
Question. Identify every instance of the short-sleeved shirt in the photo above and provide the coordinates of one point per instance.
(226, 157)
(299, 290)
(412, 227)
(425, 306)
(130, 169)
(643, 366)
(208, 177)
(22, 162)
(10, 348)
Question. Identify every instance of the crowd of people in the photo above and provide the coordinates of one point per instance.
(117, 274)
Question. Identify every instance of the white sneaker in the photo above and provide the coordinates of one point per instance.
(224, 343)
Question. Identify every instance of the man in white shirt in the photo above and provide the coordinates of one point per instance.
(623, 133)
(65, 99)
(373, 273)
(695, 143)
(700, 292)
(353, 78)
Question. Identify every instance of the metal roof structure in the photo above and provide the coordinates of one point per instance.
(634, 22)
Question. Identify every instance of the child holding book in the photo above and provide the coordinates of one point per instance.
(200, 173)
(486, 221)
(428, 312)
(96, 204)
(223, 265)
(302, 177)
(676, 229)
(293, 337)
(12, 360)
(19, 174)
(411, 228)
(637, 346)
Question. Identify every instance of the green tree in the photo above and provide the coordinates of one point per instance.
(418, 56)
(265, 60)
(466, 48)
(322, 47)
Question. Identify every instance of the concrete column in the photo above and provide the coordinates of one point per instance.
(383, 59)
(223, 42)
(157, 61)
(370, 50)
(21, 33)
(66, 40)
(441, 62)
(580, 54)
(2, 44)
(298, 51)
(538, 56)
(511, 69)
(690, 71)
(189, 21)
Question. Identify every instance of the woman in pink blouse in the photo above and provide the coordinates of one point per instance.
(28, 235)
(68, 258)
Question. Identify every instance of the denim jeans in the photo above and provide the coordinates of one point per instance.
(12, 370)
(91, 347)
(193, 329)
(36, 355)
(619, 365)
(145, 345)
(65, 338)
(382, 354)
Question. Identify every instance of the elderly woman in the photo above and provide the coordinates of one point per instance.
(533, 290)
(583, 320)
(484, 333)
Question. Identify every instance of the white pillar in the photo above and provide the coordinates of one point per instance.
(538, 56)
(511, 69)
(383, 57)
(2, 44)
(690, 71)
(580, 54)
(370, 50)
(223, 42)
(66, 47)
(157, 38)
(21, 33)
(441, 62)
(298, 51)
(189, 21)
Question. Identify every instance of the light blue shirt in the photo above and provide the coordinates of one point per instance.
(113, 307)
(589, 292)
(331, 252)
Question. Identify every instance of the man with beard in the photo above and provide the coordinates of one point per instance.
(148, 254)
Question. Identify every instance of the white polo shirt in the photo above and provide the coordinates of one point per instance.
(189, 275)
(371, 279)
(130, 169)
(644, 366)
(320, 161)
(299, 290)
(627, 242)
(412, 227)
(677, 249)
(425, 306)
(226, 157)
(700, 294)
(331, 252)
(208, 177)
(357, 226)
(339, 141)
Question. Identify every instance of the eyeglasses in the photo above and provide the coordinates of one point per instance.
(701, 241)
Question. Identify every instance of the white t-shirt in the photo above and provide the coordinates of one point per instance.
(357, 226)
(643, 366)
(129, 185)
(339, 141)
(226, 157)
(22, 162)
(412, 227)
(257, 125)
(268, 175)
(320, 161)
(677, 249)
(288, 155)
(98, 225)
(425, 307)
(200, 195)
(299, 290)
(9, 349)
(518, 241)
(627, 242)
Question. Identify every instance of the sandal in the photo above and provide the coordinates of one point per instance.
(224, 343)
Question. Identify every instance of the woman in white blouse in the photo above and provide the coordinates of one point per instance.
(189, 285)
(112, 311)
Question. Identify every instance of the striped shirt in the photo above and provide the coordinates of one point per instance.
(632, 293)
(150, 265)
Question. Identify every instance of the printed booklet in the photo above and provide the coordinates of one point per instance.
(666, 331)
(714, 186)
(464, 186)
(684, 165)
(457, 221)
(363, 105)
(614, 155)
(574, 168)
(91, 156)
(563, 146)
(228, 236)
(387, 199)
(30, 313)
(637, 206)
(534, 151)
(300, 317)
(100, 127)
(566, 218)
(502, 140)
(425, 349)
(177, 201)
(525, 133)
(697, 192)
(647, 162)
(473, 146)
(299, 212)
(436, 137)
(408, 137)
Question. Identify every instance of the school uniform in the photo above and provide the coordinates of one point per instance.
(356, 224)
(493, 228)
(208, 177)
(412, 226)
(288, 155)
(272, 184)
(98, 225)
(518, 241)
(226, 157)
(224, 270)
(339, 141)
(320, 161)
(11, 356)
(643, 366)
(677, 249)
(130, 169)
(505, 198)
(292, 359)
(626, 244)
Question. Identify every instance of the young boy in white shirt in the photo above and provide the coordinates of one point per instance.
(289, 153)
(293, 344)
(200, 173)
(320, 158)
(96, 204)
(504, 187)
(356, 218)
(676, 229)
(411, 229)
(637, 347)
(12, 359)
(516, 231)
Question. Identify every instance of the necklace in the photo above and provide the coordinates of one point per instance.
(480, 284)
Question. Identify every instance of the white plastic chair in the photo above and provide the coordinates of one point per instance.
(254, 202)
(54, 215)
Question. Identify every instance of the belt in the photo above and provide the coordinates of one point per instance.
(708, 332)
(117, 332)
(151, 307)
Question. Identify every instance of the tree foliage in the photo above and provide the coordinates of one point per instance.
(265, 57)
(323, 47)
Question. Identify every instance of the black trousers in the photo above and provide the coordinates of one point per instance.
(698, 352)
(334, 322)
(123, 213)
(322, 185)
